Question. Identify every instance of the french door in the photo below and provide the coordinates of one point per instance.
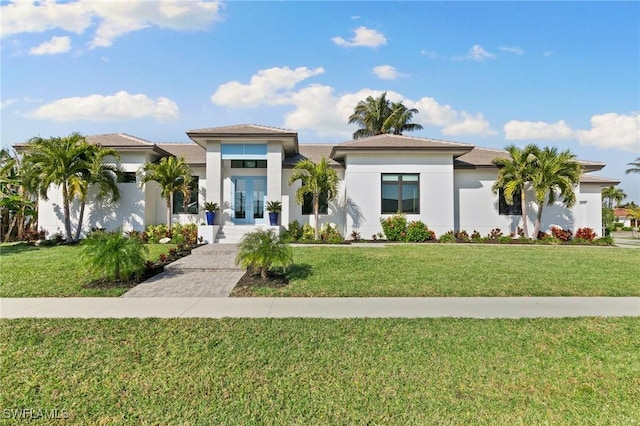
(248, 199)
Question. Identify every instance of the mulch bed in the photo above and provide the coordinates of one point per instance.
(251, 280)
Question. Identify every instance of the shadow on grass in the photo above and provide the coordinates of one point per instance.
(9, 249)
(299, 271)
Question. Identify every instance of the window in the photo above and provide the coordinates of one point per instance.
(323, 206)
(127, 177)
(248, 164)
(400, 193)
(192, 206)
(506, 209)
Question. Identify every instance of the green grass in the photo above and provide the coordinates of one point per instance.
(58, 271)
(309, 371)
(461, 270)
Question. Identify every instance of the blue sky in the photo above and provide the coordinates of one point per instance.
(487, 73)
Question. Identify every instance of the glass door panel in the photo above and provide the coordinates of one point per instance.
(259, 189)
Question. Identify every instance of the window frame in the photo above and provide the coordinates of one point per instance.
(400, 184)
(307, 205)
(195, 187)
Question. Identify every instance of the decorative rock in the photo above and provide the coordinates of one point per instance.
(165, 240)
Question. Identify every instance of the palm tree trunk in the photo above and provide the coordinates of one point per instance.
(81, 218)
(536, 229)
(316, 214)
(11, 225)
(169, 212)
(67, 214)
(523, 207)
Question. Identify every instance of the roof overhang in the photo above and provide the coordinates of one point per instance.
(339, 153)
(289, 140)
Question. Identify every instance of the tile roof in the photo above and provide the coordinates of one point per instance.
(389, 142)
(313, 152)
(244, 129)
(585, 178)
(119, 140)
(193, 153)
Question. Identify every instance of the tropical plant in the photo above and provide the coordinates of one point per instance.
(555, 175)
(117, 256)
(173, 175)
(514, 175)
(635, 166)
(97, 173)
(316, 179)
(15, 202)
(274, 206)
(394, 227)
(611, 194)
(377, 116)
(60, 162)
(262, 250)
(211, 207)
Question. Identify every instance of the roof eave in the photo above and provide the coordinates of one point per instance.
(340, 152)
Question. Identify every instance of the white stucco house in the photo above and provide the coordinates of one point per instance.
(445, 184)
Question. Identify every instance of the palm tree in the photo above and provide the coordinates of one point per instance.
(612, 194)
(554, 174)
(105, 176)
(514, 175)
(377, 116)
(261, 250)
(172, 174)
(316, 179)
(635, 166)
(57, 161)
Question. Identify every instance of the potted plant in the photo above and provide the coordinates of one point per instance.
(210, 211)
(274, 208)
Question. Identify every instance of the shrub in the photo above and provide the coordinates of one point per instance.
(262, 250)
(32, 235)
(604, 241)
(330, 233)
(552, 240)
(495, 234)
(117, 256)
(355, 235)
(449, 237)
(475, 236)
(542, 235)
(155, 233)
(294, 231)
(505, 239)
(394, 227)
(586, 234)
(418, 232)
(308, 233)
(561, 234)
(184, 233)
(627, 228)
(463, 236)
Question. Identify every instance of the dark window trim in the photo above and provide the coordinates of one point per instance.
(248, 164)
(127, 177)
(505, 209)
(399, 183)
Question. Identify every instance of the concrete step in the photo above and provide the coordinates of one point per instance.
(206, 263)
(232, 234)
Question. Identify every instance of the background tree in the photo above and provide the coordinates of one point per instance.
(553, 175)
(377, 116)
(15, 202)
(315, 179)
(611, 194)
(513, 176)
(635, 166)
(172, 174)
(57, 162)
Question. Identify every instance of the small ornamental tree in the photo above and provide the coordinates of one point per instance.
(262, 251)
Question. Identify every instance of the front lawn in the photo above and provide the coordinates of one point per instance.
(309, 371)
(461, 270)
(58, 271)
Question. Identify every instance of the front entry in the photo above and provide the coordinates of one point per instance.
(248, 199)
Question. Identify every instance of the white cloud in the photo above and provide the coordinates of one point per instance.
(363, 37)
(468, 124)
(526, 130)
(386, 72)
(113, 18)
(52, 47)
(431, 113)
(121, 106)
(477, 53)
(610, 130)
(512, 49)
(271, 86)
(613, 130)
(429, 53)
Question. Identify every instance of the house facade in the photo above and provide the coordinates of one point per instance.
(447, 185)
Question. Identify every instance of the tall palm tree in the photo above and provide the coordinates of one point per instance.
(611, 194)
(554, 174)
(105, 176)
(513, 176)
(377, 116)
(316, 179)
(172, 174)
(400, 119)
(635, 166)
(57, 161)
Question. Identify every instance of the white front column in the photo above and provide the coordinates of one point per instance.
(214, 173)
(274, 171)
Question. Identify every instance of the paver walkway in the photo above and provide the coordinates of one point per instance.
(209, 271)
(319, 307)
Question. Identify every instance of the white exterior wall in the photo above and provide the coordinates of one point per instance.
(292, 210)
(477, 207)
(363, 189)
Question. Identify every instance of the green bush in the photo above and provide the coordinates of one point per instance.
(308, 233)
(330, 234)
(155, 233)
(505, 239)
(604, 241)
(449, 237)
(627, 228)
(294, 233)
(117, 256)
(418, 232)
(263, 250)
(394, 227)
